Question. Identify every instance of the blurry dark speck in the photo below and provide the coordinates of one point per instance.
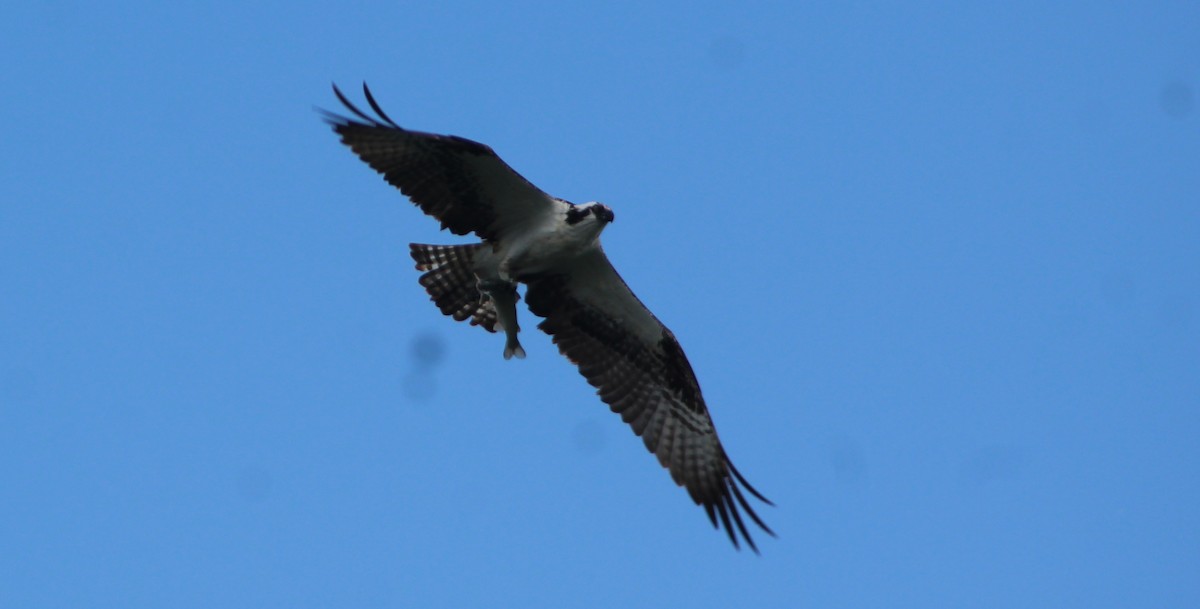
(727, 52)
(17, 385)
(1176, 99)
(1119, 290)
(1179, 312)
(253, 484)
(992, 463)
(846, 457)
(428, 350)
(588, 437)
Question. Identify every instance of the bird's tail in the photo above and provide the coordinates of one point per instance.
(450, 281)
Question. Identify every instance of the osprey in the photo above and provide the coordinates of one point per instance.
(553, 247)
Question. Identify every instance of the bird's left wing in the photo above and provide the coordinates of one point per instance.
(462, 183)
(640, 371)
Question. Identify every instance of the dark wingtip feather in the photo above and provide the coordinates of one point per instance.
(712, 516)
(332, 118)
(741, 499)
(381, 119)
(351, 107)
(737, 519)
(375, 106)
(725, 503)
(741, 479)
(723, 512)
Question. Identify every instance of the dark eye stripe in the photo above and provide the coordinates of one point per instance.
(575, 214)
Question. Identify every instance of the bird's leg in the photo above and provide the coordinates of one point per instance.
(489, 286)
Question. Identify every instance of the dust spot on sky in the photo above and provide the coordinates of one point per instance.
(847, 459)
(428, 352)
(1118, 290)
(253, 484)
(589, 437)
(1178, 312)
(17, 386)
(1176, 99)
(993, 463)
(726, 52)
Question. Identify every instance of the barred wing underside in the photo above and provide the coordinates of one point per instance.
(640, 371)
(462, 183)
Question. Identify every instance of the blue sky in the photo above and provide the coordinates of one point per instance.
(937, 267)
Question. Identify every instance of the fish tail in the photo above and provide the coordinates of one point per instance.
(513, 348)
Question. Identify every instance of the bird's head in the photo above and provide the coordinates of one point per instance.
(593, 212)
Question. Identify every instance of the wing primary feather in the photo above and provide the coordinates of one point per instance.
(737, 518)
(375, 106)
(741, 499)
(351, 107)
(724, 513)
(738, 474)
(330, 117)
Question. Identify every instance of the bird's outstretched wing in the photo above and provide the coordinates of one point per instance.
(639, 370)
(460, 182)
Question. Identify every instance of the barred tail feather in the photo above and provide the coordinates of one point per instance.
(451, 284)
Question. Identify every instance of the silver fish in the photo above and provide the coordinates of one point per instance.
(504, 297)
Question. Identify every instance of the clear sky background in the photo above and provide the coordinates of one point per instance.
(937, 267)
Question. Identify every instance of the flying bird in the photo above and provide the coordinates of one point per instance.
(552, 246)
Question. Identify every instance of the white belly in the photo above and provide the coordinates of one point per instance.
(546, 250)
